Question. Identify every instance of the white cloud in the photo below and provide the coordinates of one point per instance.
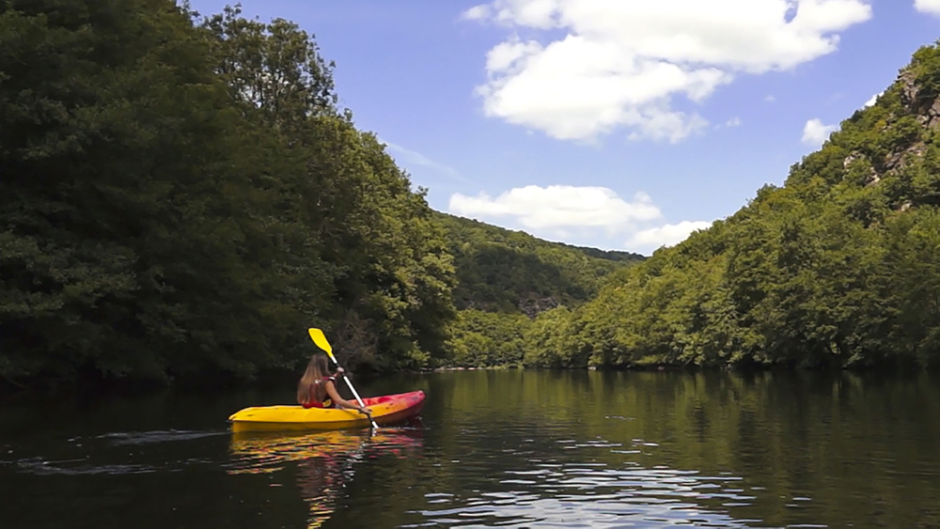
(815, 133)
(412, 157)
(621, 63)
(733, 122)
(874, 98)
(557, 207)
(931, 7)
(479, 12)
(770, 98)
(575, 214)
(667, 235)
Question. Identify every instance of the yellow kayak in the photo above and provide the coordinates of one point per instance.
(387, 409)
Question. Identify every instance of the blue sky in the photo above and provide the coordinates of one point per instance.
(619, 124)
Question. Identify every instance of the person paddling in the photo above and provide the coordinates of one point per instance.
(317, 387)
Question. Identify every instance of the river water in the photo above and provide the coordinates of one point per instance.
(494, 449)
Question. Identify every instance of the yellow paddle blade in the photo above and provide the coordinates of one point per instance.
(320, 339)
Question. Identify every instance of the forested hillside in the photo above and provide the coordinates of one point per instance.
(506, 278)
(509, 271)
(181, 198)
(840, 267)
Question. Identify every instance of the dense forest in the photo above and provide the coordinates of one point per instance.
(505, 279)
(499, 270)
(838, 268)
(181, 197)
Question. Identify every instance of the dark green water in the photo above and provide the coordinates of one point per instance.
(512, 449)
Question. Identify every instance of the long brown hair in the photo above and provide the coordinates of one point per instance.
(307, 388)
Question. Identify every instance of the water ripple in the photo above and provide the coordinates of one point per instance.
(158, 436)
(110, 454)
(42, 467)
(581, 492)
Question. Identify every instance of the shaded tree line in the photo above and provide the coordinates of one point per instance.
(180, 196)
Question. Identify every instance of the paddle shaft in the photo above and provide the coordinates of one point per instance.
(351, 388)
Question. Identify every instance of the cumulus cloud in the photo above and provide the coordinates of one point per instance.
(733, 122)
(610, 64)
(559, 207)
(667, 235)
(815, 133)
(570, 213)
(874, 98)
(931, 7)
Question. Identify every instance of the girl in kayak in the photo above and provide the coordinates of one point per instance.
(317, 388)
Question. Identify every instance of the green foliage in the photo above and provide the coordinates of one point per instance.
(180, 198)
(486, 339)
(505, 279)
(183, 198)
(835, 269)
(502, 270)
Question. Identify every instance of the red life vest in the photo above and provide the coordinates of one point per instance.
(314, 403)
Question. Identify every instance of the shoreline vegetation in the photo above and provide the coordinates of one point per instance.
(182, 196)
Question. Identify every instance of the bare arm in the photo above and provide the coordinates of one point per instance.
(341, 402)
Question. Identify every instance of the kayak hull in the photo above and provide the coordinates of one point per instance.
(387, 409)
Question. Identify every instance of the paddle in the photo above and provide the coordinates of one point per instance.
(320, 339)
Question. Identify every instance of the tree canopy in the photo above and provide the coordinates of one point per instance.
(837, 268)
(505, 279)
(182, 197)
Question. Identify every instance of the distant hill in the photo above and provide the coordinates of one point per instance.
(500, 270)
(505, 279)
(609, 255)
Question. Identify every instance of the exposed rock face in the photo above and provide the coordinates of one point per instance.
(927, 111)
(851, 158)
(855, 156)
(926, 108)
(908, 89)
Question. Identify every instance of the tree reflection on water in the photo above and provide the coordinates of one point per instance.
(325, 461)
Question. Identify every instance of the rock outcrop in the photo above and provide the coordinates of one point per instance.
(924, 108)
